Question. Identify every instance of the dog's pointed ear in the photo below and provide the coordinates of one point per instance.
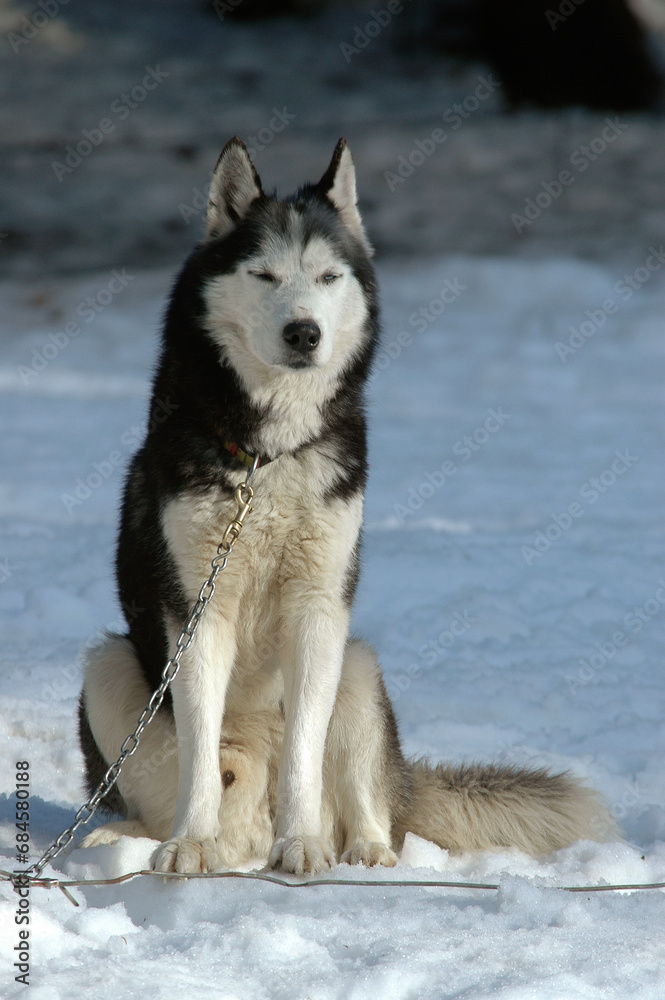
(235, 185)
(338, 184)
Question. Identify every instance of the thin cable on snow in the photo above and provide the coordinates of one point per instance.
(65, 884)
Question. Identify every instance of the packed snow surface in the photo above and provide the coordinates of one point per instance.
(513, 584)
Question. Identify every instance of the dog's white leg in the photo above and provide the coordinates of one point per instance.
(312, 662)
(363, 765)
(198, 703)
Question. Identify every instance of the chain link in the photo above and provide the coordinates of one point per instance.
(243, 497)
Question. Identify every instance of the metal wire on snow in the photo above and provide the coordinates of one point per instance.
(65, 884)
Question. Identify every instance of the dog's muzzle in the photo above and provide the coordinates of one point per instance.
(302, 337)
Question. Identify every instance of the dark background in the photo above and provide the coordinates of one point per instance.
(132, 200)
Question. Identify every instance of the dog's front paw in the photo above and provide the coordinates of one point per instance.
(301, 855)
(370, 853)
(188, 857)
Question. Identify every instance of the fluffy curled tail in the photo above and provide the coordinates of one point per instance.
(478, 808)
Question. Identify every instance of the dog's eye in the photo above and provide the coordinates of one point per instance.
(329, 277)
(264, 276)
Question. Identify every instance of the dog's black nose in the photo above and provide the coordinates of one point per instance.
(302, 335)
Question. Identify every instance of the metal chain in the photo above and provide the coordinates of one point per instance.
(243, 497)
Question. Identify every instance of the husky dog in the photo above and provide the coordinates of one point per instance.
(277, 739)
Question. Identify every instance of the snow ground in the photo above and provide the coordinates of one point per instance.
(482, 437)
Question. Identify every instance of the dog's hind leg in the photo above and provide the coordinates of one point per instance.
(110, 832)
(114, 695)
(364, 771)
(248, 758)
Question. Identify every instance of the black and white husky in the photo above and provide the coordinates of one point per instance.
(279, 741)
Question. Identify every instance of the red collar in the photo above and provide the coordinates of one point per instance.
(243, 456)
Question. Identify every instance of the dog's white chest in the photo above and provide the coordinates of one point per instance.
(293, 542)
